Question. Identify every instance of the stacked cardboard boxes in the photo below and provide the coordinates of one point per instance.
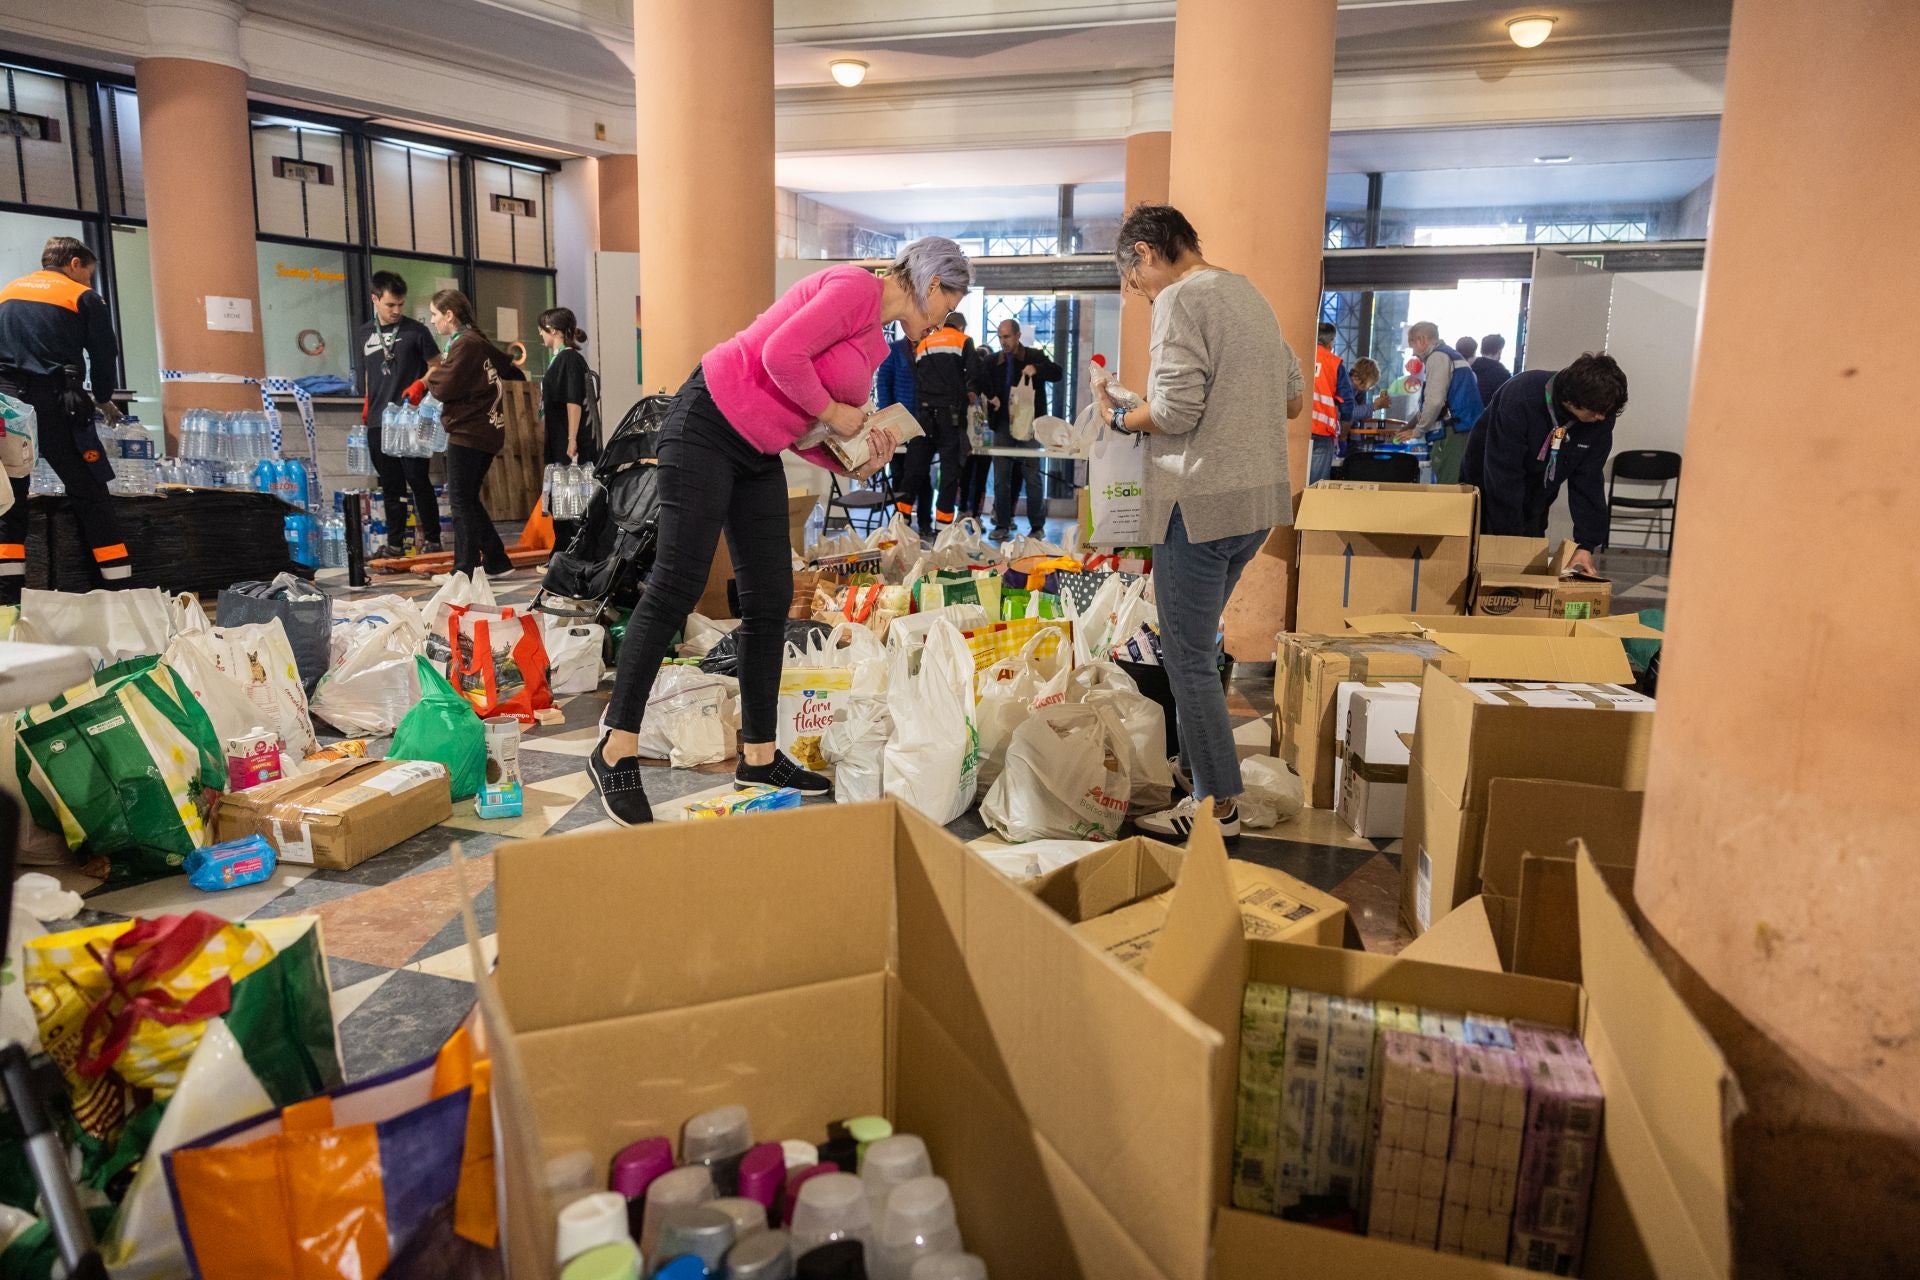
(1375, 726)
(1468, 735)
(1521, 578)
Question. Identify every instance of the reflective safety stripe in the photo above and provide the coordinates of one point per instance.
(944, 517)
(13, 569)
(13, 551)
(113, 573)
(118, 551)
(904, 508)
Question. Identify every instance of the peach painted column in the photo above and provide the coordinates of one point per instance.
(1780, 857)
(199, 179)
(705, 109)
(1149, 152)
(620, 204)
(1252, 104)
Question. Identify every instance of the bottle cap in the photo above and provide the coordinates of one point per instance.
(841, 1153)
(766, 1256)
(638, 1164)
(595, 1219)
(571, 1171)
(892, 1161)
(862, 1129)
(704, 1232)
(832, 1206)
(715, 1135)
(920, 1212)
(683, 1268)
(762, 1171)
(682, 1188)
(839, 1260)
(799, 1154)
(796, 1179)
(749, 1216)
(619, 1261)
(949, 1266)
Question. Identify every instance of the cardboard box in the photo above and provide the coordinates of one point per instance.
(1521, 578)
(1524, 648)
(1660, 1204)
(1308, 672)
(1370, 548)
(1117, 899)
(1467, 737)
(1373, 798)
(890, 971)
(341, 814)
(800, 505)
(1370, 771)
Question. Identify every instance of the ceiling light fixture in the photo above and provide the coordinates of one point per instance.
(1531, 32)
(848, 72)
(1553, 159)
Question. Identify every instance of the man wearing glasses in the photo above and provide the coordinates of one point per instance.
(1002, 377)
(1546, 429)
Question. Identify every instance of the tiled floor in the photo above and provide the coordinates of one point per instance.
(399, 962)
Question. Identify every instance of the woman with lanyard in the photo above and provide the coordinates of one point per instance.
(568, 405)
(1546, 429)
(467, 384)
(800, 373)
(1221, 384)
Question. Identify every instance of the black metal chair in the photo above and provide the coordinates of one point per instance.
(874, 500)
(1655, 513)
(1381, 468)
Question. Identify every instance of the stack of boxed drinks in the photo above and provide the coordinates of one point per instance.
(1464, 1134)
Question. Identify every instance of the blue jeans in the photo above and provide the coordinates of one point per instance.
(1320, 462)
(1192, 581)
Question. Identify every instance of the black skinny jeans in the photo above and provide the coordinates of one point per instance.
(87, 494)
(398, 477)
(710, 479)
(476, 543)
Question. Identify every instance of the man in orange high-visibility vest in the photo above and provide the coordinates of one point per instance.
(53, 326)
(1333, 396)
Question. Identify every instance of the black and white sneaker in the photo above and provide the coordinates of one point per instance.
(1181, 778)
(782, 772)
(622, 794)
(1177, 823)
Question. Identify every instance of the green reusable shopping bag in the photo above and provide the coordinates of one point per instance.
(121, 766)
(443, 727)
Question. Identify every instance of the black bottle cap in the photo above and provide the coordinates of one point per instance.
(835, 1260)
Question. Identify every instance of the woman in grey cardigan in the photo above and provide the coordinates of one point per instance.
(1221, 387)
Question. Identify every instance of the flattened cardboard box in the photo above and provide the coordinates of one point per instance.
(1117, 899)
(339, 815)
(1525, 648)
(1308, 671)
(1369, 548)
(651, 974)
(1660, 1204)
(1463, 743)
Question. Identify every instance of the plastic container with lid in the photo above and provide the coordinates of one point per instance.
(685, 1187)
(919, 1223)
(598, 1218)
(749, 1216)
(699, 1231)
(766, 1256)
(949, 1266)
(718, 1139)
(831, 1207)
(891, 1162)
(618, 1261)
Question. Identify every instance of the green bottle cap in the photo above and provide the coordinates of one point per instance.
(617, 1261)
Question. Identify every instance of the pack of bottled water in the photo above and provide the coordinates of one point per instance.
(359, 457)
(569, 490)
(130, 450)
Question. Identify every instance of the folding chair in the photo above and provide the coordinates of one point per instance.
(874, 498)
(1654, 514)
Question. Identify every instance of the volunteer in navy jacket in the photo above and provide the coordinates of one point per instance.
(1544, 430)
(893, 384)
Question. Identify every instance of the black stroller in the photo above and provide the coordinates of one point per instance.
(606, 564)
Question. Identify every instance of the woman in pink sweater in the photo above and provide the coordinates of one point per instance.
(808, 360)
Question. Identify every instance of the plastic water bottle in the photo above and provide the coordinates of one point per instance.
(359, 460)
(263, 477)
(219, 437)
(432, 417)
(303, 540)
(46, 480)
(333, 543)
(290, 482)
(133, 460)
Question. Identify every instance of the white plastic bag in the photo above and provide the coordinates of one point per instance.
(1104, 684)
(933, 760)
(189, 615)
(1020, 407)
(818, 681)
(1111, 618)
(1272, 792)
(899, 547)
(698, 637)
(353, 620)
(375, 684)
(1036, 858)
(256, 662)
(573, 654)
(111, 626)
(1065, 778)
(967, 537)
(1054, 433)
(691, 717)
(1116, 472)
(856, 746)
(1011, 690)
(474, 592)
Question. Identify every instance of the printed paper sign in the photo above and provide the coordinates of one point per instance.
(229, 315)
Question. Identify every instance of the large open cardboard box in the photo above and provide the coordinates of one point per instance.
(1308, 669)
(1462, 744)
(1525, 648)
(848, 960)
(1527, 871)
(1520, 578)
(1369, 548)
(1660, 1200)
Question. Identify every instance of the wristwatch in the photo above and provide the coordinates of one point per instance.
(1119, 420)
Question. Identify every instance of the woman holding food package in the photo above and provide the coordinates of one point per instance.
(1221, 385)
(802, 370)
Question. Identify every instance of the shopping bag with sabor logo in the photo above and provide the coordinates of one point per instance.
(1116, 472)
(391, 1176)
(1065, 778)
(122, 766)
(498, 662)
